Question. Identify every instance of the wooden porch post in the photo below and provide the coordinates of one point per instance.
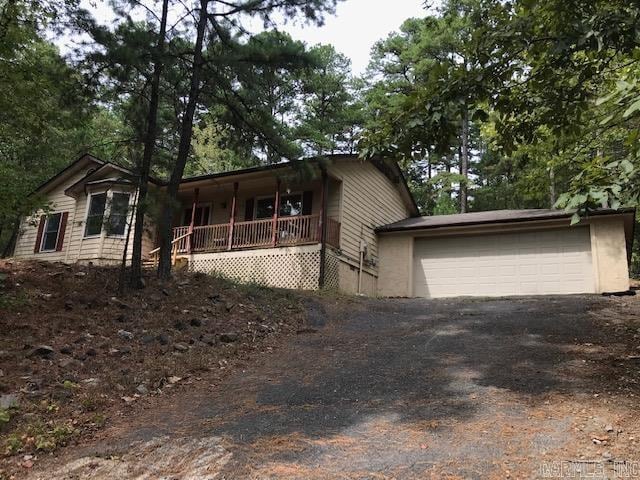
(276, 211)
(323, 227)
(193, 219)
(321, 216)
(232, 218)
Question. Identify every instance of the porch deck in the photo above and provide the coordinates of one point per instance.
(270, 232)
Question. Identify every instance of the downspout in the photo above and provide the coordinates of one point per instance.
(323, 228)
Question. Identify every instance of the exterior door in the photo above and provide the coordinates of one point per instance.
(201, 217)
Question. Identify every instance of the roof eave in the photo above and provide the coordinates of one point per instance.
(560, 216)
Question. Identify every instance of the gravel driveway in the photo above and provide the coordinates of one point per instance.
(501, 388)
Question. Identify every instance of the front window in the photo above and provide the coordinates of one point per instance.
(95, 215)
(290, 205)
(50, 233)
(264, 208)
(118, 214)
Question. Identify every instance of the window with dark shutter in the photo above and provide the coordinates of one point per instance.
(41, 224)
(63, 229)
(50, 233)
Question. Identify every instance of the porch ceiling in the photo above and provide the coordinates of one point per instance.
(259, 184)
(253, 179)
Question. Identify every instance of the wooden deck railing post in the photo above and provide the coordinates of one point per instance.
(193, 219)
(323, 227)
(321, 216)
(295, 230)
(232, 216)
(276, 211)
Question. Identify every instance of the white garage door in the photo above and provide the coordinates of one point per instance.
(529, 263)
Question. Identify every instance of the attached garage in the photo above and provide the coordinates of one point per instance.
(506, 252)
(532, 263)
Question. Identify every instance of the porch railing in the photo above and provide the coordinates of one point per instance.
(289, 231)
(333, 232)
(210, 238)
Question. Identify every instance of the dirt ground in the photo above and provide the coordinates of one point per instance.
(540, 387)
(76, 357)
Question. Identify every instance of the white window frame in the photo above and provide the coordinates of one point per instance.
(107, 211)
(44, 233)
(86, 214)
(273, 196)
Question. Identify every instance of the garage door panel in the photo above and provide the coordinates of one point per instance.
(552, 261)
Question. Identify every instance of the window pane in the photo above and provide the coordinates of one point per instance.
(50, 238)
(120, 203)
(264, 208)
(53, 223)
(96, 206)
(96, 214)
(291, 205)
(118, 215)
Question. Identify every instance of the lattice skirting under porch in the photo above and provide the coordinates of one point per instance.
(287, 267)
(331, 271)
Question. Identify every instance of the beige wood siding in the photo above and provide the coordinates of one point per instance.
(396, 265)
(76, 246)
(609, 251)
(369, 200)
(59, 202)
(334, 199)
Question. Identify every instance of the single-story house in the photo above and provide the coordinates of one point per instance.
(337, 222)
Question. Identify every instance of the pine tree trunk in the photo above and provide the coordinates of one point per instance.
(552, 188)
(135, 279)
(464, 160)
(186, 131)
(11, 244)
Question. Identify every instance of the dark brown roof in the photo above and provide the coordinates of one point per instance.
(488, 217)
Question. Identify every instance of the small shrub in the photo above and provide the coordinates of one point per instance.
(13, 444)
(8, 301)
(89, 404)
(99, 420)
(5, 416)
(69, 385)
(48, 438)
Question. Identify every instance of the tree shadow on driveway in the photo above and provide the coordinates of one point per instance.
(394, 372)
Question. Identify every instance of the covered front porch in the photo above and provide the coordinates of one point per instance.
(256, 210)
(283, 232)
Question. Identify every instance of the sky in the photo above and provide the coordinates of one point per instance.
(355, 27)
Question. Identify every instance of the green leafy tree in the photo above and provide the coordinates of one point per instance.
(430, 82)
(218, 25)
(327, 114)
(44, 108)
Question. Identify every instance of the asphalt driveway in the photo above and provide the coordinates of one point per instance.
(502, 388)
